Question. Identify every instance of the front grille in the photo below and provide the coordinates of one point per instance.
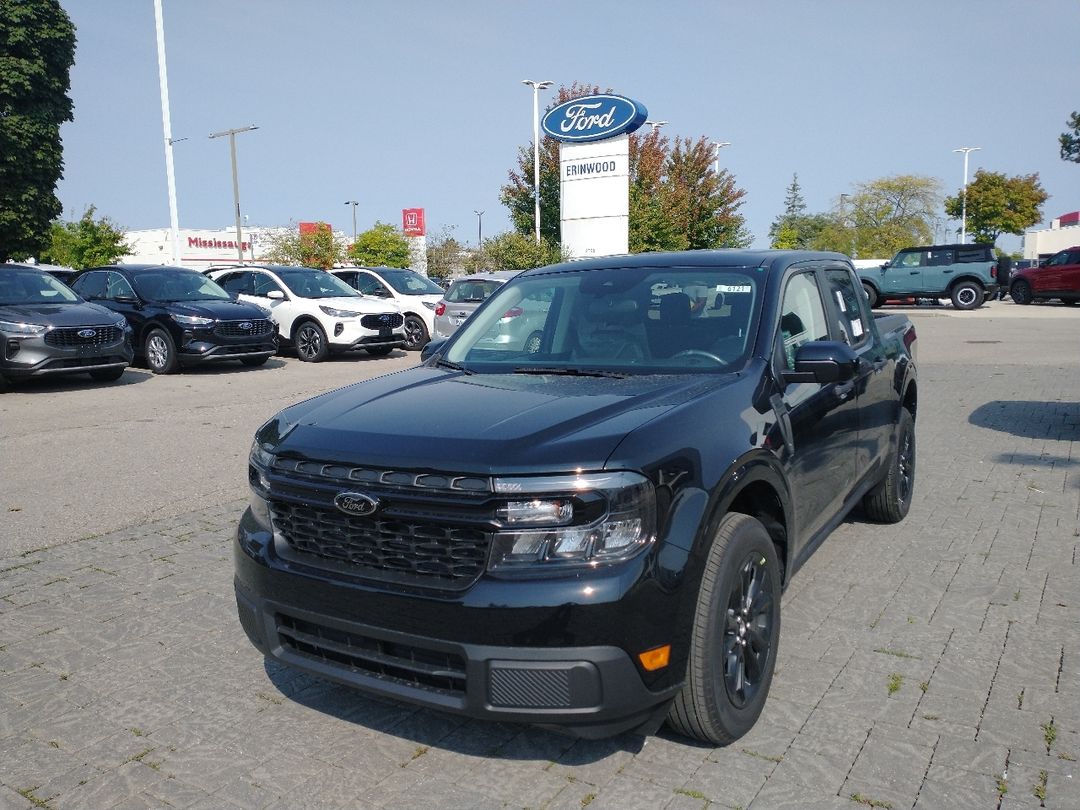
(76, 336)
(330, 471)
(407, 551)
(252, 328)
(420, 668)
(385, 320)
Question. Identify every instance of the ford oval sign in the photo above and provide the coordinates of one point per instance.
(356, 503)
(594, 118)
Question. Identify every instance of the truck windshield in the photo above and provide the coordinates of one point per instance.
(624, 320)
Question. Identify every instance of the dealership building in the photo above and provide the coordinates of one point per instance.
(1064, 232)
(198, 249)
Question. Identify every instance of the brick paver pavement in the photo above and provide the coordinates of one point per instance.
(932, 664)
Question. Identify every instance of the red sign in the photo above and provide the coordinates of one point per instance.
(313, 227)
(412, 221)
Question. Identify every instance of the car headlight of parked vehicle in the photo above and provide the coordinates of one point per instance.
(564, 521)
(258, 461)
(21, 328)
(192, 320)
(339, 313)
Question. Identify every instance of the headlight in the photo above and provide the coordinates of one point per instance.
(339, 313)
(556, 522)
(192, 320)
(122, 324)
(260, 460)
(21, 328)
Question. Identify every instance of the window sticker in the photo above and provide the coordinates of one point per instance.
(840, 300)
(856, 328)
(734, 288)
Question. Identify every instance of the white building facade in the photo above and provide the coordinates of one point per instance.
(1064, 232)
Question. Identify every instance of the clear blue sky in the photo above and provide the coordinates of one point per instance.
(420, 104)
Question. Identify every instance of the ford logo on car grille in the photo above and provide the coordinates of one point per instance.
(356, 503)
(246, 325)
(87, 333)
(384, 318)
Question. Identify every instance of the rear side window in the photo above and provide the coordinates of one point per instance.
(973, 254)
(470, 292)
(92, 285)
(852, 320)
(938, 257)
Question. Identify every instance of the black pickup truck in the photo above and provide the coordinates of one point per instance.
(590, 530)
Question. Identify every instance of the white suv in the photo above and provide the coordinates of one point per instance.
(315, 311)
(417, 296)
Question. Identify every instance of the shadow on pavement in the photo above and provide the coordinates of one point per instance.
(1059, 421)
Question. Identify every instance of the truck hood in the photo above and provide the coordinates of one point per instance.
(429, 418)
(220, 310)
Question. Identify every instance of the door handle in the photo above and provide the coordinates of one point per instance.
(844, 390)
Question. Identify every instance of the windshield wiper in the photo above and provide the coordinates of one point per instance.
(453, 366)
(569, 371)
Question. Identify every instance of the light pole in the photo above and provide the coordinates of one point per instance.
(967, 150)
(353, 203)
(235, 183)
(655, 124)
(717, 146)
(537, 87)
(843, 221)
(479, 228)
(166, 122)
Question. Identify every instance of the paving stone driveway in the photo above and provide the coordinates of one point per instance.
(933, 664)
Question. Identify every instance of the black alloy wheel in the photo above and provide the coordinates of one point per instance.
(310, 339)
(890, 500)
(1021, 292)
(416, 334)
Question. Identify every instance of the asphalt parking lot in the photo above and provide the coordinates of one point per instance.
(931, 664)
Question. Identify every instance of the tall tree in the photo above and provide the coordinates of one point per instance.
(1070, 141)
(885, 215)
(513, 251)
(445, 254)
(315, 248)
(37, 50)
(795, 229)
(997, 204)
(381, 246)
(86, 242)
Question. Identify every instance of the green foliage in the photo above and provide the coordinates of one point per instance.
(677, 200)
(513, 251)
(997, 204)
(795, 229)
(317, 248)
(883, 216)
(86, 242)
(1070, 141)
(445, 255)
(37, 50)
(381, 246)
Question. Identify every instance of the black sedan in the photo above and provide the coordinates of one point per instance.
(47, 330)
(180, 317)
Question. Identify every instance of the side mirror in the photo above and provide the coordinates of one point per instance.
(823, 361)
(431, 349)
(276, 295)
(886, 265)
(125, 299)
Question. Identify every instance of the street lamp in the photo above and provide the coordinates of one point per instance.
(166, 122)
(353, 203)
(655, 124)
(235, 183)
(479, 227)
(843, 223)
(537, 87)
(967, 150)
(717, 146)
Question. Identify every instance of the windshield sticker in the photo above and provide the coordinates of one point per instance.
(734, 288)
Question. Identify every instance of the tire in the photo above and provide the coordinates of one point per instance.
(1020, 291)
(416, 334)
(890, 500)
(310, 340)
(532, 343)
(967, 295)
(254, 361)
(160, 352)
(379, 351)
(871, 296)
(727, 643)
(107, 374)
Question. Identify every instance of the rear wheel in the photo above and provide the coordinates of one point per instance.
(967, 295)
(107, 374)
(532, 342)
(871, 295)
(310, 340)
(416, 334)
(160, 352)
(1020, 291)
(890, 500)
(736, 632)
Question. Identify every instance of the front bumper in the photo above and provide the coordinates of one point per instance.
(552, 652)
(29, 356)
(195, 351)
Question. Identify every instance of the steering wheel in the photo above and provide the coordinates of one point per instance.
(699, 353)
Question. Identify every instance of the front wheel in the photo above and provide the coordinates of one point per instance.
(311, 346)
(871, 295)
(416, 334)
(160, 352)
(967, 295)
(890, 500)
(735, 637)
(1020, 292)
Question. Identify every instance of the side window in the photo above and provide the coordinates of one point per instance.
(973, 254)
(911, 259)
(118, 287)
(1074, 257)
(263, 285)
(91, 285)
(939, 258)
(802, 317)
(1058, 258)
(851, 318)
(369, 285)
(236, 283)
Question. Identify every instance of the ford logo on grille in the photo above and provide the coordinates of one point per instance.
(87, 333)
(356, 503)
(246, 325)
(384, 318)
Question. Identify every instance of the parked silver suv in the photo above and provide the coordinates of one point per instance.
(464, 296)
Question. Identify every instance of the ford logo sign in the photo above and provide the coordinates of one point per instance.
(246, 325)
(594, 118)
(356, 503)
(87, 333)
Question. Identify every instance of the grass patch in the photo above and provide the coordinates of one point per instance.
(1066, 757)
(930, 717)
(587, 799)
(897, 653)
(924, 686)
(1002, 786)
(137, 757)
(858, 798)
(416, 754)
(138, 732)
(1049, 734)
(1020, 699)
(1039, 788)
(28, 794)
(693, 794)
(752, 753)
(896, 680)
